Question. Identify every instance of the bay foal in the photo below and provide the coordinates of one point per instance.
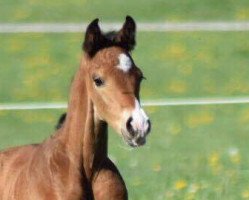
(73, 164)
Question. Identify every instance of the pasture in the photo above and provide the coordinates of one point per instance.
(193, 152)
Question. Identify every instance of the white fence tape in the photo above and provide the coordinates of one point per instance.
(157, 26)
(163, 102)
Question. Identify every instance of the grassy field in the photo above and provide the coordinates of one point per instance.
(110, 10)
(190, 65)
(193, 152)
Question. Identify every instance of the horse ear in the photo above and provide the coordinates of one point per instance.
(93, 38)
(126, 37)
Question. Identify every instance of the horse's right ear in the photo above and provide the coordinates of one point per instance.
(93, 38)
(126, 37)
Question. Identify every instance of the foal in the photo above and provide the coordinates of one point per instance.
(73, 163)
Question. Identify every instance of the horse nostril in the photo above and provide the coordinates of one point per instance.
(129, 126)
(149, 126)
(141, 140)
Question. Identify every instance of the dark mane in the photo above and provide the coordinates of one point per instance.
(111, 35)
(61, 121)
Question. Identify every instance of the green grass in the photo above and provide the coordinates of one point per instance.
(193, 152)
(25, 127)
(116, 10)
(40, 66)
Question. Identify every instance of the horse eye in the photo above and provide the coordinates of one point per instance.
(98, 82)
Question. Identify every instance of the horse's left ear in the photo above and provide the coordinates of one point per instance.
(126, 37)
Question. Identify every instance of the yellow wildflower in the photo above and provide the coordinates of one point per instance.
(177, 51)
(214, 162)
(21, 14)
(180, 184)
(242, 14)
(2, 113)
(214, 159)
(245, 194)
(244, 116)
(202, 118)
(178, 86)
(174, 51)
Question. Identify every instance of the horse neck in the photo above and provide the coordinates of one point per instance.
(83, 133)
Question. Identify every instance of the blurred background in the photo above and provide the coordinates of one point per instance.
(194, 151)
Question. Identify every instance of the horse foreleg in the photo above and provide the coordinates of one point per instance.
(108, 184)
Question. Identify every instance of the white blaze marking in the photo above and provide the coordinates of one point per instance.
(140, 119)
(124, 62)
